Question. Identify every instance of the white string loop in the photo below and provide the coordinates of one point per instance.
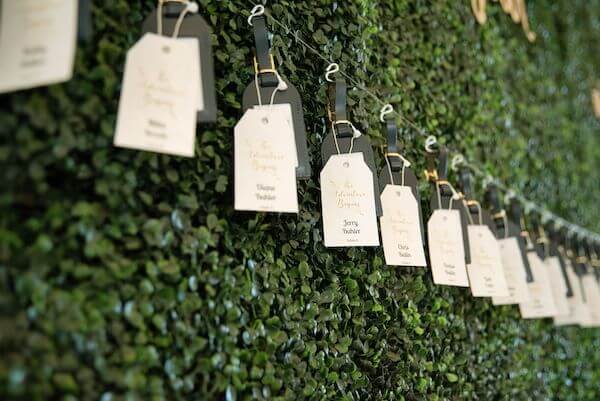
(190, 7)
(429, 143)
(256, 11)
(331, 69)
(385, 110)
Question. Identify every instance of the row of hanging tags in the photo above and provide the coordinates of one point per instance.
(168, 87)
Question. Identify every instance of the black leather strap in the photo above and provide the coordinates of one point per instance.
(263, 52)
(337, 105)
(396, 163)
(492, 200)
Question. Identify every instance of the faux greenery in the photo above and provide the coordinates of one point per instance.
(126, 275)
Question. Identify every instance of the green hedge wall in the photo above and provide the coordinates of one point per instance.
(126, 275)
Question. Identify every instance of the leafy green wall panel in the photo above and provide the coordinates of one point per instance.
(126, 275)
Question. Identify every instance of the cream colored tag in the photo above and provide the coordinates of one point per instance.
(401, 228)
(159, 98)
(349, 216)
(577, 309)
(592, 301)
(486, 277)
(37, 42)
(559, 287)
(286, 110)
(446, 250)
(514, 273)
(541, 302)
(265, 171)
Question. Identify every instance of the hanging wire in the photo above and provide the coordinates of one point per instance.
(356, 83)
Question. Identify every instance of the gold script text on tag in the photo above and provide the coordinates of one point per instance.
(515, 8)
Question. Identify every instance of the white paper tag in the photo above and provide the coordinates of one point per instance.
(592, 301)
(349, 216)
(159, 98)
(401, 228)
(286, 110)
(37, 43)
(577, 309)
(559, 287)
(486, 277)
(541, 302)
(265, 172)
(514, 273)
(446, 250)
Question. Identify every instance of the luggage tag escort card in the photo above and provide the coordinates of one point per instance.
(514, 222)
(541, 303)
(446, 228)
(270, 86)
(588, 285)
(486, 276)
(173, 15)
(577, 308)
(343, 134)
(510, 254)
(557, 282)
(160, 94)
(347, 188)
(265, 164)
(37, 43)
(444, 195)
(401, 223)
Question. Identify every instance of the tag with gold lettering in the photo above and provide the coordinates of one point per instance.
(514, 273)
(37, 43)
(348, 201)
(265, 161)
(486, 277)
(541, 301)
(559, 287)
(446, 250)
(401, 227)
(159, 98)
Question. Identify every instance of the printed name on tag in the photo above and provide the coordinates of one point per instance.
(514, 273)
(157, 108)
(265, 161)
(348, 201)
(37, 43)
(559, 287)
(446, 250)
(486, 277)
(401, 228)
(541, 301)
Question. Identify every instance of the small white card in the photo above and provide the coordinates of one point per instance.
(401, 228)
(159, 98)
(592, 301)
(541, 301)
(446, 250)
(348, 201)
(265, 162)
(577, 309)
(486, 277)
(559, 287)
(514, 272)
(37, 43)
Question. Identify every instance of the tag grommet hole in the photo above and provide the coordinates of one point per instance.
(166, 49)
(346, 164)
(265, 120)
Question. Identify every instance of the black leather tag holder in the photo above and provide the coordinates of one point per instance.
(84, 21)
(400, 173)
(193, 26)
(267, 83)
(556, 250)
(344, 135)
(514, 230)
(478, 215)
(439, 178)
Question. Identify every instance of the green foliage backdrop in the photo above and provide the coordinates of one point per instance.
(126, 275)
